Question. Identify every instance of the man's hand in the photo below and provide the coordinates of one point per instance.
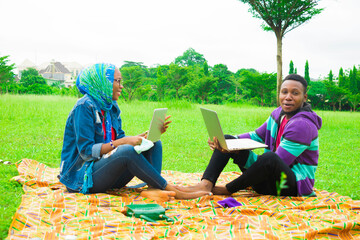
(216, 145)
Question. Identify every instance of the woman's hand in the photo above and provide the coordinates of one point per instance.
(132, 140)
(165, 125)
(144, 134)
(216, 145)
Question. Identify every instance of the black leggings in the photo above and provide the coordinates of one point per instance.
(261, 175)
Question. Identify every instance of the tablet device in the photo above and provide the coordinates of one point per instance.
(156, 124)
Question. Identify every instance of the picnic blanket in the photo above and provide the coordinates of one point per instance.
(48, 211)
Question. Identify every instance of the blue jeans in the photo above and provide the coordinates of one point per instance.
(124, 164)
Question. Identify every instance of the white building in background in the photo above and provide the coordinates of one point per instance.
(65, 73)
(25, 65)
(56, 72)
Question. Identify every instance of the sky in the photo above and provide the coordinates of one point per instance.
(157, 31)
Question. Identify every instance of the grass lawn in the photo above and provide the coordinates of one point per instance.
(32, 127)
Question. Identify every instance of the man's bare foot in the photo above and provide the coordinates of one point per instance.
(159, 195)
(220, 190)
(204, 185)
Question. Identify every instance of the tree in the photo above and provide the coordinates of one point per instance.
(353, 82)
(132, 64)
(190, 58)
(206, 68)
(357, 75)
(354, 100)
(306, 72)
(317, 94)
(200, 87)
(177, 77)
(291, 67)
(224, 86)
(335, 93)
(133, 78)
(161, 81)
(341, 78)
(30, 77)
(6, 74)
(259, 86)
(282, 16)
(235, 81)
(331, 76)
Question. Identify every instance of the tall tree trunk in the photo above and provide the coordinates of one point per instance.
(236, 94)
(340, 105)
(279, 66)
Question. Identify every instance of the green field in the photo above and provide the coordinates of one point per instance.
(32, 127)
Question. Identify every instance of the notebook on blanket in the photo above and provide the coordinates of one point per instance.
(214, 129)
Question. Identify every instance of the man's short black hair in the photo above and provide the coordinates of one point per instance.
(297, 77)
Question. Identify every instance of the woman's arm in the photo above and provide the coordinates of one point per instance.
(131, 140)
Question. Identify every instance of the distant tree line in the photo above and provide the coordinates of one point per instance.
(190, 78)
(342, 92)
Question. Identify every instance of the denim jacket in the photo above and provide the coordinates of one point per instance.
(83, 138)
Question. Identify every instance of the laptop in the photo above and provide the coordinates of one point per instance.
(156, 124)
(214, 129)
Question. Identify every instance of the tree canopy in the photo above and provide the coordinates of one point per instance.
(6, 73)
(282, 16)
(190, 58)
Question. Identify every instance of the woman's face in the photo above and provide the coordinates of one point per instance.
(117, 85)
(292, 96)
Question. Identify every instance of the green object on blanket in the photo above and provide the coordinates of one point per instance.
(148, 212)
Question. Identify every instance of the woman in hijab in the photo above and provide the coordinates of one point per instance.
(96, 154)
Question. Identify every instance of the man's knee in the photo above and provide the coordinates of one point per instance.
(227, 136)
(269, 158)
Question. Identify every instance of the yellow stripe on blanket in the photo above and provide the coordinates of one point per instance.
(48, 211)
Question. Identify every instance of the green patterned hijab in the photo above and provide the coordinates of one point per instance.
(97, 81)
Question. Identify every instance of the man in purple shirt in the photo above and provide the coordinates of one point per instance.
(291, 133)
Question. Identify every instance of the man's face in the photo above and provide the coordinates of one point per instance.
(292, 96)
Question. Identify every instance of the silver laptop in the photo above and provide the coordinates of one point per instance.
(214, 129)
(156, 124)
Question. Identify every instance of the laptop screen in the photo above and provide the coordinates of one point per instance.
(213, 126)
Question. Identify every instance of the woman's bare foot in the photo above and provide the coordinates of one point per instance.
(186, 194)
(170, 193)
(191, 195)
(159, 195)
(204, 185)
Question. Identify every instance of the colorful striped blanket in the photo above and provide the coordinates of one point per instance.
(47, 211)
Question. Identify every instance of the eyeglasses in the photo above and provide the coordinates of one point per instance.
(118, 81)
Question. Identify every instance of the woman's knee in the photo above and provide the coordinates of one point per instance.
(125, 150)
(157, 144)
